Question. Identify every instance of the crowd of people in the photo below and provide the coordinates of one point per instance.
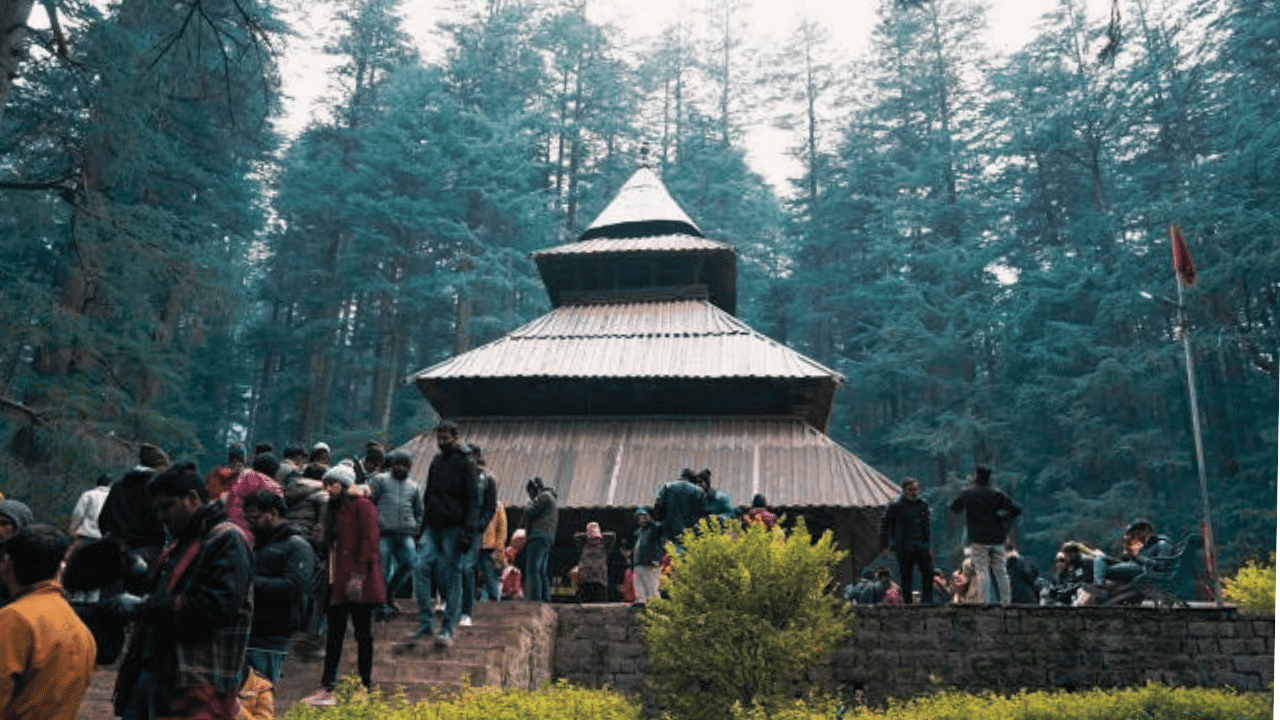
(992, 570)
(219, 577)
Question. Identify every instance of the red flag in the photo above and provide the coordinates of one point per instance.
(1182, 264)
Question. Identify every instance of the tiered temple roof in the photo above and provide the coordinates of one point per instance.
(640, 370)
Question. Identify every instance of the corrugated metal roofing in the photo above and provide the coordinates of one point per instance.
(672, 242)
(643, 199)
(679, 339)
(622, 462)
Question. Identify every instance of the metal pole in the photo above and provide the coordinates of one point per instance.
(1210, 546)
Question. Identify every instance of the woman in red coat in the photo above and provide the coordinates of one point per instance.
(355, 578)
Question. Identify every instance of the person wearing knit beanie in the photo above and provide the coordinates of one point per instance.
(14, 516)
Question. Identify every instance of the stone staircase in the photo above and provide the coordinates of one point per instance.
(510, 646)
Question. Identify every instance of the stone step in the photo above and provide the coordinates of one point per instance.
(496, 651)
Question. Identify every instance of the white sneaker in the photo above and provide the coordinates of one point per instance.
(320, 698)
(464, 621)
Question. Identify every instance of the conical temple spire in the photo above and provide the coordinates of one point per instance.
(643, 207)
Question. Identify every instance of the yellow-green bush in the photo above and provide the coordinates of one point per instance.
(748, 613)
(1254, 586)
(1153, 702)
(557, 702)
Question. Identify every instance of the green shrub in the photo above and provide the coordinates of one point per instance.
(1152, 702)
(1254, 586)
(560, 701)
(749, 613)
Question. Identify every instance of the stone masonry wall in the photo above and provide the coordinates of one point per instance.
(905, 651)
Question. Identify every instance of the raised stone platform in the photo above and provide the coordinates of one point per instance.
(893, 652)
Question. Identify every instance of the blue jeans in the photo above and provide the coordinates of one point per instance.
(398, 555)
(536, 552)
(438, 553)
(469, 576)
(266, 655)
(490, 577)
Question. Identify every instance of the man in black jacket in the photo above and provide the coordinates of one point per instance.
(284, 592)
(904, 530)
(450, 518)
(988, 514)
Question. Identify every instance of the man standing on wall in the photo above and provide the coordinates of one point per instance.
(541, 519)
(904, 530)
(988, 514)
(451, 515)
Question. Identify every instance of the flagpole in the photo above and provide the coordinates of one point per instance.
(1210, 546)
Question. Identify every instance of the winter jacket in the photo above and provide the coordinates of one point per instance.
(904, 526)
(249, 482)
(988, 513)
(198, 617)
(306, 500)
(127, 515)
(593, 558)
(354, 550)
(84, 518)
(495, 533)
(220, 479)
(284, 572)
(1023, 575)
(678, 507)
(648, 547)
(717, 503)
(542, 515)
(488, 494)
(46, 658)
(451, 498)
(399, 503)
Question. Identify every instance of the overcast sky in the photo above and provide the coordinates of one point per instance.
(850, 22)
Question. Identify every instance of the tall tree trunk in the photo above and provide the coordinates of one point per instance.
(13, 36)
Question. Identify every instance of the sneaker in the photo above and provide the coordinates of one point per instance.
(464, 621)
(444, 639)
(422, 631)
(320, 698)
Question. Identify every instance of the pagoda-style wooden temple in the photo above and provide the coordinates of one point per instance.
(641, 370)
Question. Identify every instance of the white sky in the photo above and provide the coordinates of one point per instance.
(849, 22)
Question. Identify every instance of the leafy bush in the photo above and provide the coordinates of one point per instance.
(1153, 702)
(749, 612)
(1254, 586)
(560, 701)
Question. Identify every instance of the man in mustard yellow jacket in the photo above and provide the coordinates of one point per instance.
(46, 652)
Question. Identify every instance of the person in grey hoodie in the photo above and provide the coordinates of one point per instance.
(398, 498)
(540, 519)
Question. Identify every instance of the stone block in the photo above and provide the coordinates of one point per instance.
(1244, 681)
(1254, 664)
(1202, 629)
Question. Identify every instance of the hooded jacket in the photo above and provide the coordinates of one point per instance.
(127, 515)
(284, 572)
